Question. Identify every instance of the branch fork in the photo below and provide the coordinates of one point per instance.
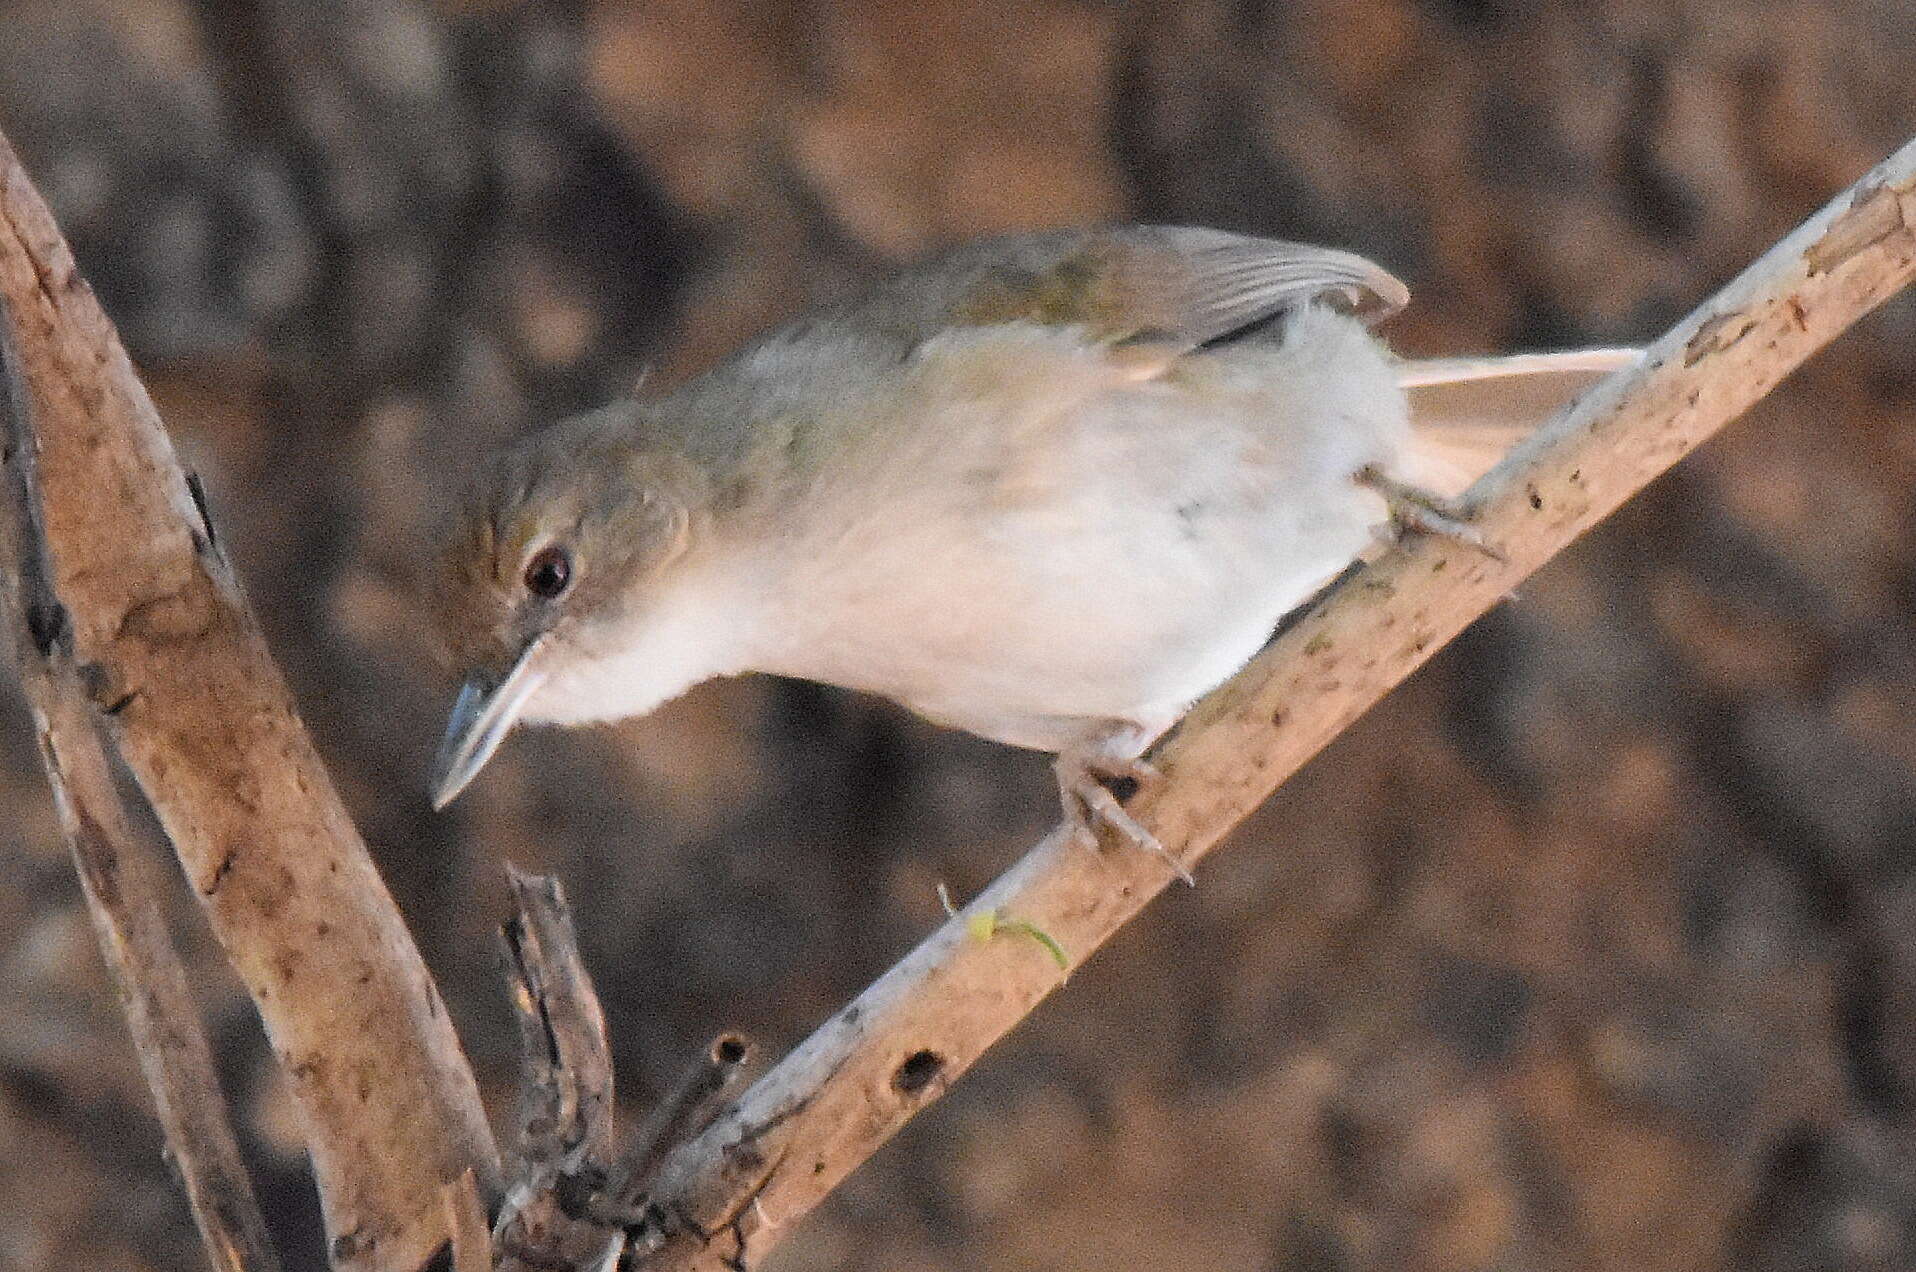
(577, 1202)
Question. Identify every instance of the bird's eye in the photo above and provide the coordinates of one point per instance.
(549, 572)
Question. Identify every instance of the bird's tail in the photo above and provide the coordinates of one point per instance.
(1466, 413)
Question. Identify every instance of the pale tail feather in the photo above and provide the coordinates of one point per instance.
(1466, 413)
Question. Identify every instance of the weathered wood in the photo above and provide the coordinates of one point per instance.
(687, 1109)
(204, 721)
(572, 1203)
(114, 864)
(465, 1213)
(565, 1089)
(565, 1099)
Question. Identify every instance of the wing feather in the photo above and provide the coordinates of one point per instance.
(1176, 285)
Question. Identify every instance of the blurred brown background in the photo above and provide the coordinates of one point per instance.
(1593, 948)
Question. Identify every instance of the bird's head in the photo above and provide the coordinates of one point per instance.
(550, 561)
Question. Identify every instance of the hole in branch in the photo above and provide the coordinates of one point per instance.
(917, 1072)
(729, 1050)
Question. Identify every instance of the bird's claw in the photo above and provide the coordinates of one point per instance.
(1089, 803)
(1426, 512)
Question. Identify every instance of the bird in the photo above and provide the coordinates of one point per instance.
(1049, 488)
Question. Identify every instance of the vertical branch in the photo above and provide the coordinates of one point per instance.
(160, 1012)
(207, 726)
(566, 1086)
(565, 1098)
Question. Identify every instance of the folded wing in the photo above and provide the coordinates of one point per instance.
(1173, 287)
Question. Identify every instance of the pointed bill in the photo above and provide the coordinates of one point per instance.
(481, 718)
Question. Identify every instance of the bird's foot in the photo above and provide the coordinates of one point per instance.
(1089, 803)
(1413, 508)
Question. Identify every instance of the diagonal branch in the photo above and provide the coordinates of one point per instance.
(107, 853)
(206, 724)
(844, 1091)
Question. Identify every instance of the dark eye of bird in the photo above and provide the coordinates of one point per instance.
(548, 572)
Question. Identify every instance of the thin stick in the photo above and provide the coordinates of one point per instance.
(570, 1203)
(207, 726)
(109, 856)
(686, 1110)
(843, 1092)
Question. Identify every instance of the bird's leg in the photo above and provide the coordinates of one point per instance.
(1426, 511)
(1110, 753)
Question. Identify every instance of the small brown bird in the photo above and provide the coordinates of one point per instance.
(1050, 489)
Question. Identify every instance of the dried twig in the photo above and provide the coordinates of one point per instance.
(205, 723)
(571, 1204)
(565, 1098)
(845, 1090)
(565, 1111)
(112, 865)
(686, 1110)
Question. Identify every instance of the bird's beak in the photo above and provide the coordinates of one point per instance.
(481, 718)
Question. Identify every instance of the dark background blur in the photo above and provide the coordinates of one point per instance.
(1594, 947)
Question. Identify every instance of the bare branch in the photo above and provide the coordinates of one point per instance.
(114, 868)
(686, 1110)
(571, 1205)
(205, 723)
(566, 1085)
(844, 1091)
(565, 1099)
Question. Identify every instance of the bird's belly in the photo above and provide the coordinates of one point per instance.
(1025, 637)
(1131, 638)
(1110, 556)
